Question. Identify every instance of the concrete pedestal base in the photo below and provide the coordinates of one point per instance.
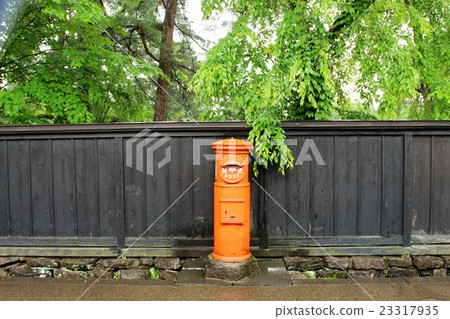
(230, 271)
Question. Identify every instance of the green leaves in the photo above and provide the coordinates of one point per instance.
(63, 64)
(269, 71)
(269, 147)
(153, 273)
(298, 60)
(391, 59)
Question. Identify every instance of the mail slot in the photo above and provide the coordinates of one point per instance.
(232, 210)
(232, 200)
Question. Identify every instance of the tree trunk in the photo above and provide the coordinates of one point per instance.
(165, 61)
(424, 90)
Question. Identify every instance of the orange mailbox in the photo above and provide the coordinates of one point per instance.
(232, 201)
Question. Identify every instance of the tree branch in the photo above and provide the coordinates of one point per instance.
(128, 45)
(27, 56)
(185, 33)
(182, 66)
(346, 19)
(184, 91)
(177, 80)
(144, 43)
(25, 67)
(19, 77)
(18, 21)
(103, 116)
(164, 4)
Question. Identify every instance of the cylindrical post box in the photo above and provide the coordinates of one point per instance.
(232, 200)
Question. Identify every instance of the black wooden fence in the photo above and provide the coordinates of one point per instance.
(380, 184)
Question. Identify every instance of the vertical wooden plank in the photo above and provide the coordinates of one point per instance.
(87, 187)
(298, 194)
(64, 201)
(42, 187)
(322, 188)
(346, 159)
(135, 205)
(181, 174)
(276, 217)
(5, 223)
(106, 187)
(19, 188)
(392, 217)
(261, 199)
(203, 194)
(120, 191)
(253, 204)
(407, 190)
(421, 184)
(370, 186)
(432, 181)
(440, 196)
(158, 186)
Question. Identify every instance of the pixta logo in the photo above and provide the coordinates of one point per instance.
(148, 142)
(304, 155)
(308, 153)
(309, 148)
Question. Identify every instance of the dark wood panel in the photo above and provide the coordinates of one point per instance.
(135, 196)
(421, 185)
(119, 167)
(106, 187)
(431, 239)
(20, 188)
(203, 191)
(181, 213)
(88, 189)
(322, 188)
(298, 194)
(258, 190)
(370, 188)
(169, 242)
(158, 200)
(407, 189)
(254, 204)
(86, 168)
(4, 190)
(336, 241)
(42, 188)
(276, 197)
(60, 251)
(64, 200)
(392, 209)
(61, 241)
(440, 196)
(346, 174)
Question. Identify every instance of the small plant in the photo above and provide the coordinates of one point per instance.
(332, 277)
(116, 275)
(310, 274)
(154, 273)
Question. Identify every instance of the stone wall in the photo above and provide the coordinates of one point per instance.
(325, 267)
(124, 268)
(368, 266)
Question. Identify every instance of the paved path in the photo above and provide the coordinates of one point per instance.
(379, 289)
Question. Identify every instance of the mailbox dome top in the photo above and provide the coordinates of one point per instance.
(233, 144)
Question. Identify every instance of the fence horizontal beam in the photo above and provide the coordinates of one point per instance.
(108, 252)
(224, 126)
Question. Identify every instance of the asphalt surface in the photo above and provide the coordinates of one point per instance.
(109, 289)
